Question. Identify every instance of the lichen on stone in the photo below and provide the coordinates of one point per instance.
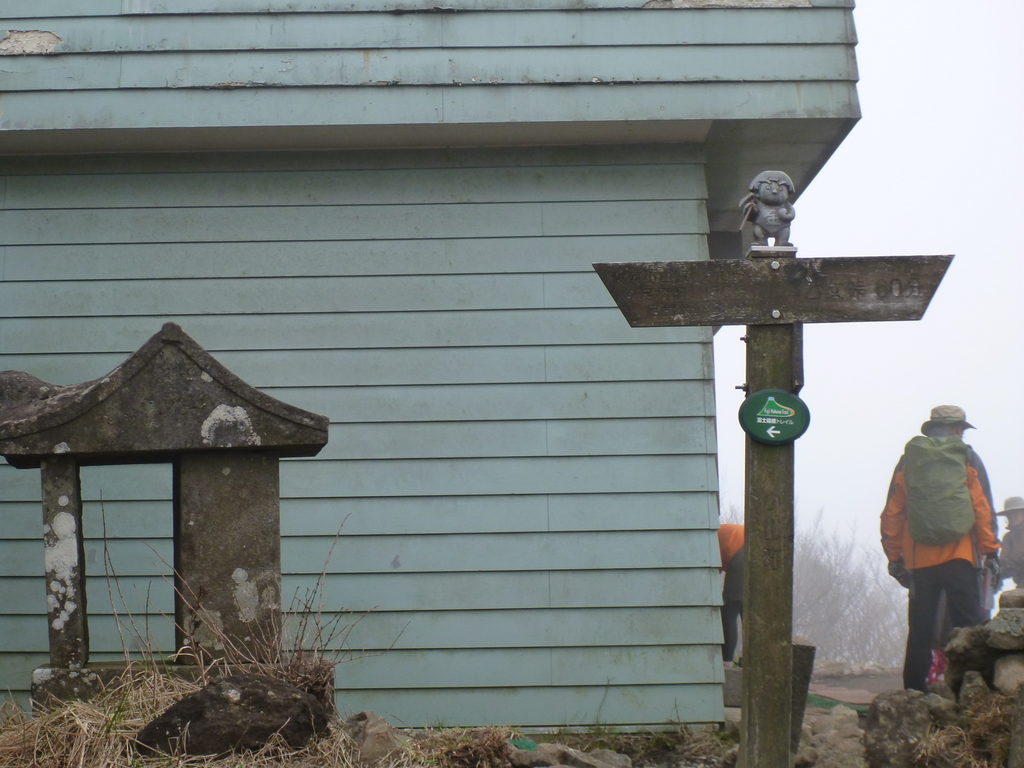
(228, 426)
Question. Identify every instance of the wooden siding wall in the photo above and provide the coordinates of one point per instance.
(498, 47)
(524, 486)
(215, 73)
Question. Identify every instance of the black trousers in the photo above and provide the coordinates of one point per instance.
(732, 604)
(732, 611)
(959, 580)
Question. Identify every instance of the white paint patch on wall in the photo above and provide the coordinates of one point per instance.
(228, 426)
(28, 42)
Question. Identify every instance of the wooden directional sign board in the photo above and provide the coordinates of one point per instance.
(771, 291)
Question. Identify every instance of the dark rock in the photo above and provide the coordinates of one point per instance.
(897, 722)
(977, 703)
(941, 688)
(974, 694)
(832, 739)
(235, 713)
(943, 710)
(1009, 673)
(1011, 598)
(1016, 756)
(51, 686)
(560, 755)
(1006, 630)
(967, 650)
(374, 737)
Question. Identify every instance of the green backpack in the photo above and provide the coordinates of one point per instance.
(939, 506)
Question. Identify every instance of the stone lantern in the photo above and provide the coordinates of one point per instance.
(170, 401)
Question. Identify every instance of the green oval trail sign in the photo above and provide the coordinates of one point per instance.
(774, 417)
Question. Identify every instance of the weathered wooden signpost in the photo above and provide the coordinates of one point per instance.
(773, 293)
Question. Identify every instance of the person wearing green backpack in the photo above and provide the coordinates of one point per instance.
(939, 534)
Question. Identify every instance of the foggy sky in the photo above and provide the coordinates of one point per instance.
(933, 167)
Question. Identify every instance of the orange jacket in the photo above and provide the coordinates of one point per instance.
(896, 539)
(730, 541)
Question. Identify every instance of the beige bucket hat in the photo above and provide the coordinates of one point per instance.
(946, 414)
(1012, 504)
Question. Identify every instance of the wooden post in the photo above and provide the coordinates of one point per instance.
(773, 293)
(772, 354)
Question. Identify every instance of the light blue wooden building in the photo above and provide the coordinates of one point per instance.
(386, 211)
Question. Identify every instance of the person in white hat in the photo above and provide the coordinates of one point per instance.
(1011, 554)
(938, 530)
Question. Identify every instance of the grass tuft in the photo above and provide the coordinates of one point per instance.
(983, 741)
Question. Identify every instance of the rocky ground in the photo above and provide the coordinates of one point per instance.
(839, 695)
(833, 735)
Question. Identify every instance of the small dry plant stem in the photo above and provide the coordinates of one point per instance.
(304, 654)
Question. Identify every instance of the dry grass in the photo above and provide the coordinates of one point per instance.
(100, 733)
(948, 748)
(984, 743)
(458, 748)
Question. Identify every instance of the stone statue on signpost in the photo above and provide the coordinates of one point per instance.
(767, 206)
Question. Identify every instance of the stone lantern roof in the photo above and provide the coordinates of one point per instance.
(169, 397)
